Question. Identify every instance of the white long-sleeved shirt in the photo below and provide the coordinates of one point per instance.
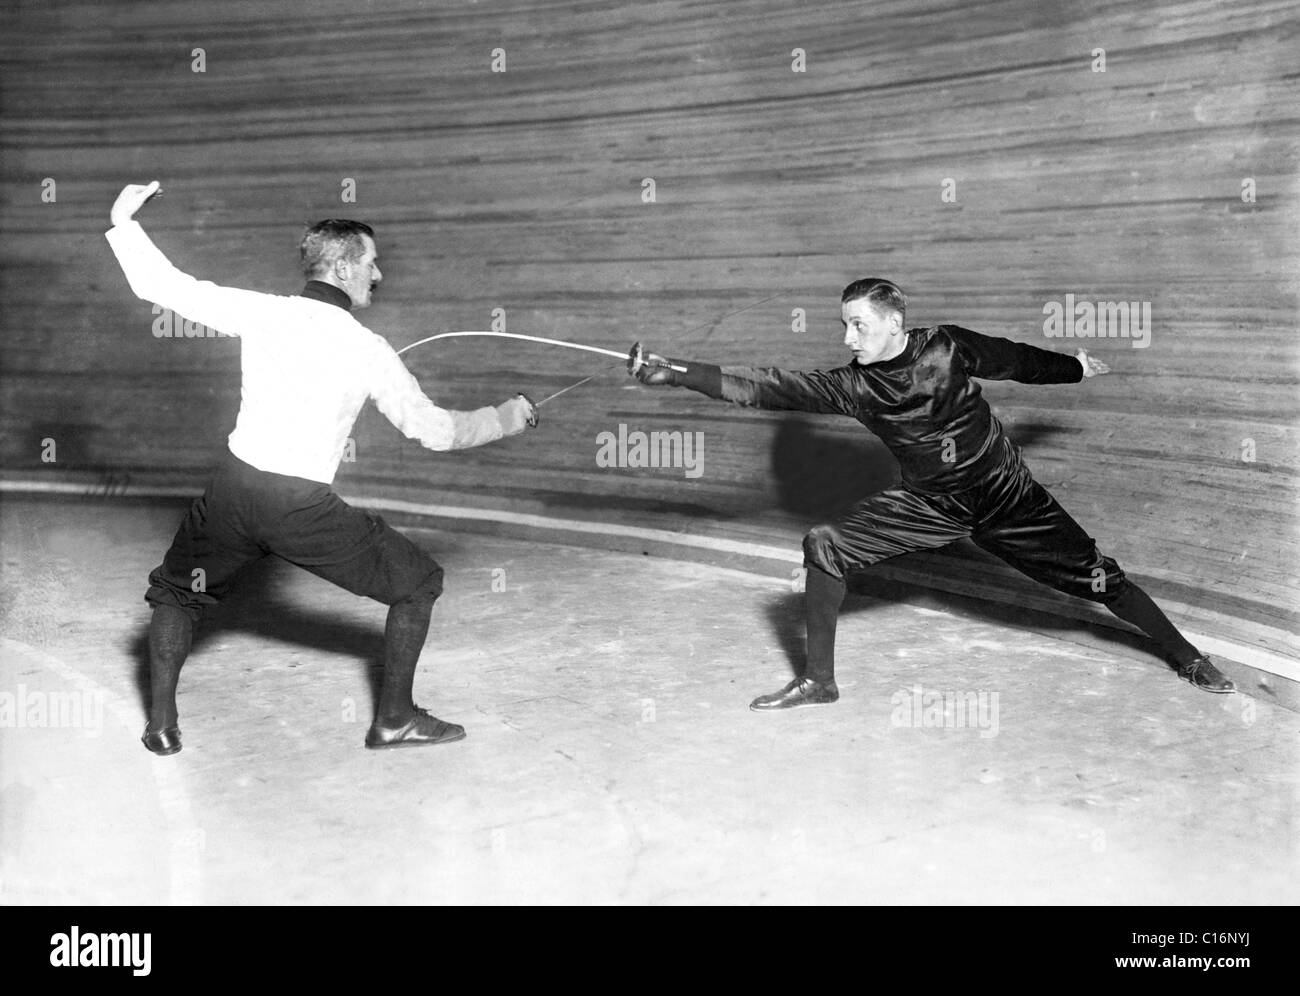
(307, 368)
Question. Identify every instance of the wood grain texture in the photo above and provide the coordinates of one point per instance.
(522, 190)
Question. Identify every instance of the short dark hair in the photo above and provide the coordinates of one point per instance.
(883, 295)
(331, 240)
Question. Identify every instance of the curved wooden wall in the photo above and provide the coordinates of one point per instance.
(525, 190)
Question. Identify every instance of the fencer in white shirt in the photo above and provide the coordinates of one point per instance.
(307, 368)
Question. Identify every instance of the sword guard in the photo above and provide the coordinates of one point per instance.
(636, 360)
(532, 417)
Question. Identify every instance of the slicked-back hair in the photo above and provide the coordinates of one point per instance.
(883, 295)
(330, 240)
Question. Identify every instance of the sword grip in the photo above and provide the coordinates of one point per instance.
(636, 360)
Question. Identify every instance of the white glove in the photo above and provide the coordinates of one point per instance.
(517, 414)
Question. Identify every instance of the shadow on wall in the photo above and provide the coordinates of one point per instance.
(819, 473)
(58, 444)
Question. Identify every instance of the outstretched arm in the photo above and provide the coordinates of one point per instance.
(828, 392)
(399, 397)
(993, 358)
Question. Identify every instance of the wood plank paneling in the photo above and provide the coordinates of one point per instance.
(522, 190)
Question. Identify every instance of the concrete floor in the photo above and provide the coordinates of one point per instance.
(611, 757)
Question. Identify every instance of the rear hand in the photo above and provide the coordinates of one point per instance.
(130, 200)
(1091, 366)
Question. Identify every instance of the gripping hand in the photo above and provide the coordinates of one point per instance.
(517, 414)
(650, 368)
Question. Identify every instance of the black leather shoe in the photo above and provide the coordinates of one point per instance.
(164, 742)
(800, 692)
(422, 731)
(1205, 675)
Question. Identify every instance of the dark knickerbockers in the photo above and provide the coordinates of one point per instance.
(307, 367)
(961, 477)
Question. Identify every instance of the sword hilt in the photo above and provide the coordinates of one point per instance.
(636, 360)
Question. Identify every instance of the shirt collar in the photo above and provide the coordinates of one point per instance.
(318, 290)
(903, 358)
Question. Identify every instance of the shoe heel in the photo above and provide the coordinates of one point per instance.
(164, 742)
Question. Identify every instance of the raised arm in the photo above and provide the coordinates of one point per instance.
(153, 278)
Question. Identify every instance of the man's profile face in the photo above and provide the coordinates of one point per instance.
(867, 330)
(360, 278)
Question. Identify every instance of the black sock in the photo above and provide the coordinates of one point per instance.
(822, 599)
(404, 633)
(171, 633)
(1135, 606)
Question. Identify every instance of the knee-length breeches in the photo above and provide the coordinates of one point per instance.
(1012, 516)
(247, 513)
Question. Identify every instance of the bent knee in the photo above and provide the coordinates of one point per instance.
(430, 588)
(821, 549)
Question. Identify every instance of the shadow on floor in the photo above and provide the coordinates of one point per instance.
(256, 604)
(785, 614)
